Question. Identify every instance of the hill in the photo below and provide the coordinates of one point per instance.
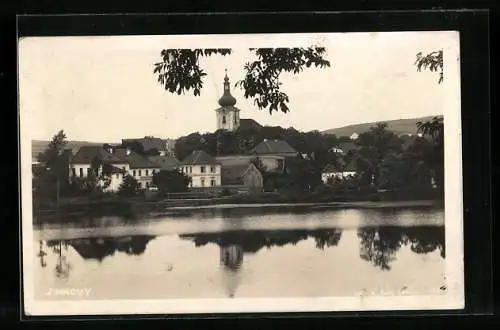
(400, 126)
(38, 146)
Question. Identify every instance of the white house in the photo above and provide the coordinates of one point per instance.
(202, 168)
(81, 165)
(338, 172)
(140, 168)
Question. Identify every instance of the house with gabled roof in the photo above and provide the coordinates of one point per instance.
(82, 163)
(274, 147)
(149, 144)
(273, 153)
(243, 178)
(341, 171)
(167, 162)
(140, 168)
(203, 169)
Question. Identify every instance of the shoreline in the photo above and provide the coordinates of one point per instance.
(137, 209)
(353, 204)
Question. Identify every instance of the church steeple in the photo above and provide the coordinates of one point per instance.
(227, 100)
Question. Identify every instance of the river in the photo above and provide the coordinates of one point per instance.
(244, 253)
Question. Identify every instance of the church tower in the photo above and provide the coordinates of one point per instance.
(228, 116)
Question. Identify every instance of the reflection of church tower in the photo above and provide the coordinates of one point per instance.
(228, 116)
(231, 257)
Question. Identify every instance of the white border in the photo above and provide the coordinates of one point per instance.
(454, 299)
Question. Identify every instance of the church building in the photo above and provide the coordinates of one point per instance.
(228, 116)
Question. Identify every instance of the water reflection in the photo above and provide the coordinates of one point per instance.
(252, 241)
(379, 245)
(91, 249)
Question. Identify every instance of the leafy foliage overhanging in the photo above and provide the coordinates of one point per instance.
(180, 71)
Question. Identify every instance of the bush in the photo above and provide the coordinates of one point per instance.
(129, 187)
(171, 181)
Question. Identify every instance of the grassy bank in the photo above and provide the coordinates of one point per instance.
(114, 205)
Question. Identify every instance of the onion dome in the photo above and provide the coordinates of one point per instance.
(227, 100)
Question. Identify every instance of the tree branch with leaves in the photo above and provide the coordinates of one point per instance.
(432, 61)
(179, 71)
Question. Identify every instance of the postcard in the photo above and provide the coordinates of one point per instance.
(182, 174)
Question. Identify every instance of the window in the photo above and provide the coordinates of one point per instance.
(202, 181)
(190, 169)
(279, 164)
(147, 172)
(224, 119)
(212, 182)
(89, 171)
(133, 173)
(212, 169)
(140, 172)
(202, 169)
(81, 172)
(186, 169)
(73, 171)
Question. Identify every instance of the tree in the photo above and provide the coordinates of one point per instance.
(171, 181)
(56, 146)
(49, 178)
(434, 131)
(379, 245)
(129, 187)
(377, 145)
(179, 71)
(432, 61)
(434, 128)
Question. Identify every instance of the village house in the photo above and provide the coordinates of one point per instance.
(140, 168)
(274, 147)
(82, 162)
(345, 148)
(166, 163)
(202, 168)
(340, 172)
(151, 144)
(273, 154)
(242, 178)
(270, 162)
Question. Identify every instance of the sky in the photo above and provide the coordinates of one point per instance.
(103, 89)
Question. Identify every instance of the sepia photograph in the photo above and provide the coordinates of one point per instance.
(237, 173)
